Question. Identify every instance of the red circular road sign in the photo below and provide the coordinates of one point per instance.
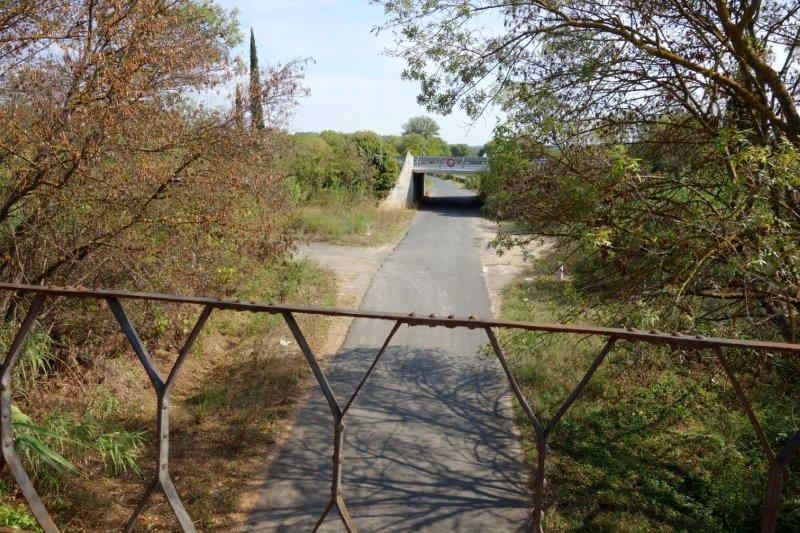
(451, 162)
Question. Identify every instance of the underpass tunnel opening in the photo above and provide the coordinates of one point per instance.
(419, 187)
(431, 190)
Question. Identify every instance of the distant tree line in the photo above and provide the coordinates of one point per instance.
(361, 163)
(354, 164)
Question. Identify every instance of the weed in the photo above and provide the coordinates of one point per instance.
(16, 516)
(117, 448)
(653, 444)
(33, 444)
(360, 223)
(103, 404)
(211, 398)
(37, 356)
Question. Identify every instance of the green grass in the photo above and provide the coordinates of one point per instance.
(52, 446)
(356, 222)
(37, 357)
(16, 516)
(656, 443)
(289, 280)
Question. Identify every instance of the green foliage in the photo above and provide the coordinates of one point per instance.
(209, 399)
(421, 125)
(334, 225)
(713, 232)
(37, 355)
(256, 91)
(118, 448)
(349, 221)
(418, 144)
(464, 150)
(281, 281)
(658, 441)
(358, 164)
(45, 446)
(31, 441)
(15, 516)
(381, 161)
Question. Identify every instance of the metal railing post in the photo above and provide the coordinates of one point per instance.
(6, 421)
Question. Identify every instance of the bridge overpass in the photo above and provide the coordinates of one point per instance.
(409, 188)
(450, 165)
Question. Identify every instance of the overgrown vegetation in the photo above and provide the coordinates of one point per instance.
(344, 166)
(659, 143)
(658, 441)
(88, 441)
(112, 174)
(354, 222)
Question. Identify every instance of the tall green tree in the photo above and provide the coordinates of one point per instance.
(256, 92)
(422, 125)
(238, 108)
(596, 63)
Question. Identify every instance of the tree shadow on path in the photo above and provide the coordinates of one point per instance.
(429, 446)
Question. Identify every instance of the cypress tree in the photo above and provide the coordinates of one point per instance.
(256, 110)
(238, 111)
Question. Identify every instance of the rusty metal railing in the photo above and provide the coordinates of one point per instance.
(777, 462)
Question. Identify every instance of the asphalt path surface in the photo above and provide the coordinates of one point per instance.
(429, 443)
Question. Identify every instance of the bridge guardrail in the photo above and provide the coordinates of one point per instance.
(777, 462)
(450, 162)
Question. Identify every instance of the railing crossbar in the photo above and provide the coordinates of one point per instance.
(412, 319)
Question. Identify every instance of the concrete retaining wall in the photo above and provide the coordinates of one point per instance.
(403, 194)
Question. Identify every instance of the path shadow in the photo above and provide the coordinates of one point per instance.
(429, 445)
(450, 202)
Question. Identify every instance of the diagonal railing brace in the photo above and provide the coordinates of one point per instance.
(162, 389)
(7, 433)
(543, 432)
(337, 496)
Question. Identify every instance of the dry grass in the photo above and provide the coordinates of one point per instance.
(356, 224)
(230, 405)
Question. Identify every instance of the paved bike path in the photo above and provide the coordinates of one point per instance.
(429, 443)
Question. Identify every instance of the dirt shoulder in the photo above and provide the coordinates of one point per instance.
(354, 268)
(500, 270)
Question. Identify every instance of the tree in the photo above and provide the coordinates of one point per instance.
(104, 154)
(607, 84)
(238, 107)
(659, 142)
(418, 144)
(282, 88)
(256, 91)
(462, 150)
(601, 63)
(421, 125)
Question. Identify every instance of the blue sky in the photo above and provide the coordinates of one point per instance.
(354, 84)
